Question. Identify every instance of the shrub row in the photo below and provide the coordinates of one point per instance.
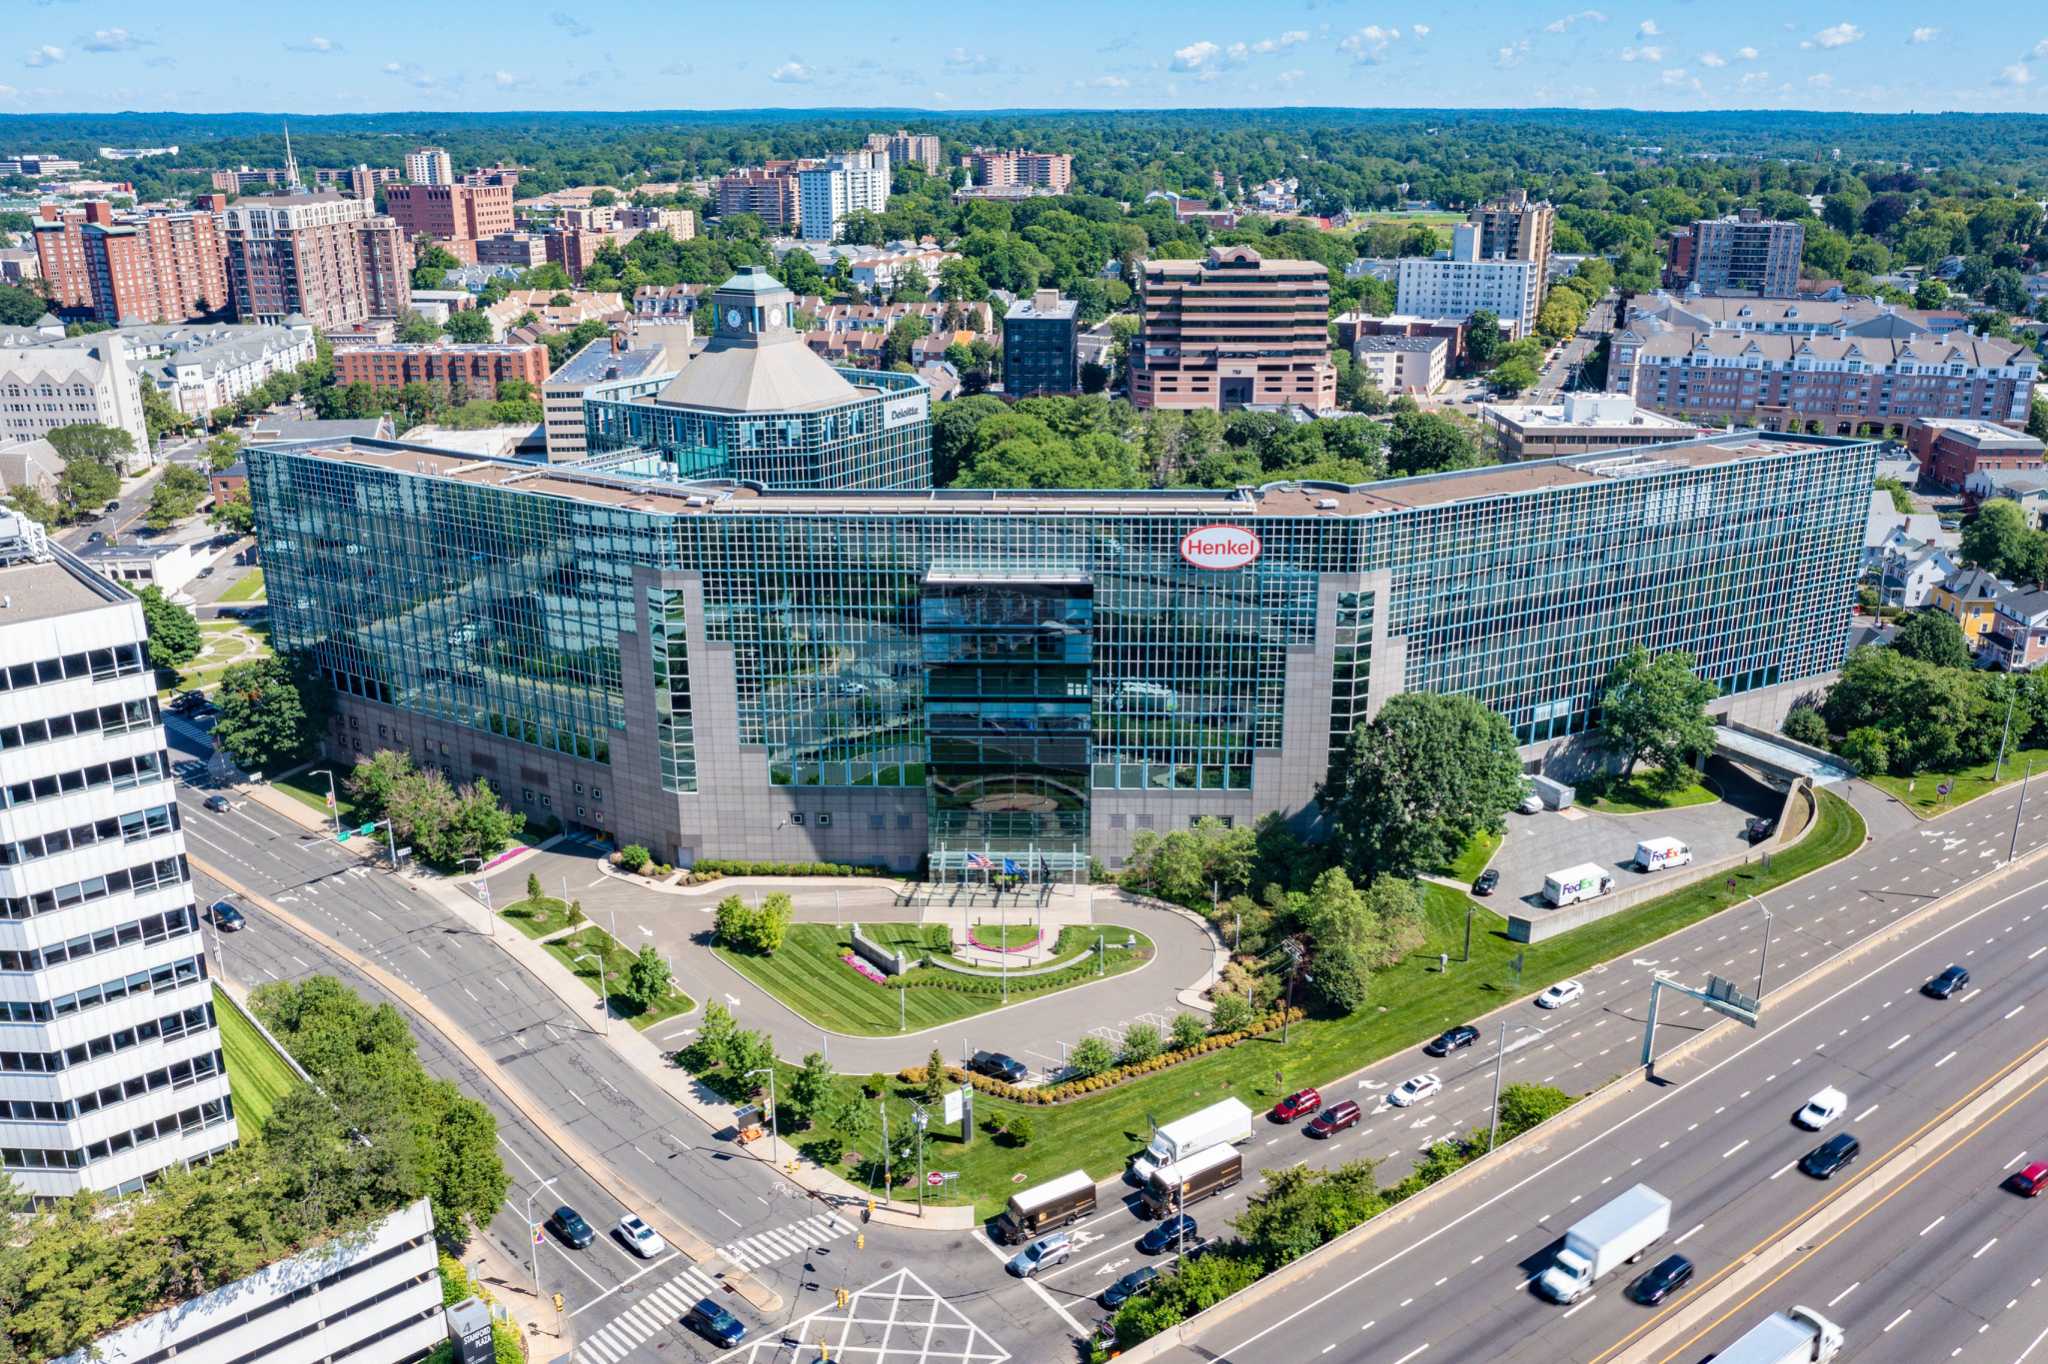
(1108, 1079)
(957, 979)
(711, 869)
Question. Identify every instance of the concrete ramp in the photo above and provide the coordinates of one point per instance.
(1792, 760)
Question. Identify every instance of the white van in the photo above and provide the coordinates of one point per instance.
(1573, 884)
(1655, 854)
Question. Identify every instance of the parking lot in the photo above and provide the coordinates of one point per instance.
(1554, 839)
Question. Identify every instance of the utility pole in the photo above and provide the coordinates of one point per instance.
(1765, 959)
(333, 805)
(604, 992)
(2014, 850)
(918, 1119)
(533, 1236)
(888, 1189)
(2011, 695)
(1469, 907)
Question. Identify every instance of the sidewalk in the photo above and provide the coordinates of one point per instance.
(636, 1049)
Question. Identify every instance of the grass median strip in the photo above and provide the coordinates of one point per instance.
(258, 1076)
(595, 942)
(809, 974)
(1923, 795)
(1407, 1005)
(537, 918)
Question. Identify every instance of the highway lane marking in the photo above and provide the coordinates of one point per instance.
(1896, 1045)
(1986, 1246)
(1736, 1147)
(1412, 1353)
(2014, 1161)
(1944, 1060)
(1683, 1239)
(1864, 1114)
(1845, 1292)
(1587, 1302)
(729, 1217)
(1786, 1168)
(2015, 1009)
(1935, 1223)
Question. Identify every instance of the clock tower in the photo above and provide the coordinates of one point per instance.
(753, 308)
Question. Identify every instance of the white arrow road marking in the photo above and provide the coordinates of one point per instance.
(1112, 1267)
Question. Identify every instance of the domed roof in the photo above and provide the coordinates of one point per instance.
(756, 360)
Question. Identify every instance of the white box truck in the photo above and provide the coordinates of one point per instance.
(1224, 1123)
(1788, 1337)
(1613, 1235)
(1655, 854)
(1574, 884)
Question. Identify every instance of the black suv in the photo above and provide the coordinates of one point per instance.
(568, 1224)
(994, 1063)
(1946, 984)
(1661, 1280)
(1831, 1156)
(1488, 879)
(1761, 828)
(1464, 1035)
(714, 1323)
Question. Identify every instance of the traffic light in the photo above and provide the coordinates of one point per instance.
(840, 1298)
(558, 1302)
(860, 1241)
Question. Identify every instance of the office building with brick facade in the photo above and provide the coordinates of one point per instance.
(464, 212)
(1950, 449)
(1233, 330)
(908, 149)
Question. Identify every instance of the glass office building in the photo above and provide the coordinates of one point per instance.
(718, 670)
(757, 405)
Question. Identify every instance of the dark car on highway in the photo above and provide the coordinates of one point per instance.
(568, 1224)
(1464, 1035)
(219, 804)
(1002, 1067)
(1831, 1156)
(226, 917)
(1488, 879)
(714, 1323)
(1946, 984)
(1661, 1280)
(1128, 1287)
(1169, 1235)
(1335, 1118)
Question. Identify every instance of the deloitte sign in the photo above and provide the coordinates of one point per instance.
(1219, 548)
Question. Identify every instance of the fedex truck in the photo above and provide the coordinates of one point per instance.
(1573, 884)
(1655, 854)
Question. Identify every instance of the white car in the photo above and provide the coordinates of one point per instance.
(1415, 1091)
(1532, 804)
(645, 1240)
(1560, 994)
(1822, 1109)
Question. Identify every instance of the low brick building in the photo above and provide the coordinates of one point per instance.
(1950, 449)
(476, 369)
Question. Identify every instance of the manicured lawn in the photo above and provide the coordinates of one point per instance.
(1101, 1132)
(312, 791)
(1923, 793)
(257, 1075)
(808, 975)
(537, 918)
(246, 588)
(597, 941)
(995, 933)
(1475, 855)
(1636, 796)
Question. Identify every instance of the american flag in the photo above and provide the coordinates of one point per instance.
(978, 861)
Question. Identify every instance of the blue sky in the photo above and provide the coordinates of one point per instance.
(360, 55)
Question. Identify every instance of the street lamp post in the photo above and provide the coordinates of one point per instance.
(604, 991)
(918, 1119)
(1499, 1060)
(774, 1136)
(2014, 850)
(1765, 959)
(333, 803)
(483, 895)
(533, 1238)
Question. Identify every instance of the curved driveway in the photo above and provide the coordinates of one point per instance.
(1033, 1029)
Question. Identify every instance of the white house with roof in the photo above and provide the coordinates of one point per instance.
(1908, 571)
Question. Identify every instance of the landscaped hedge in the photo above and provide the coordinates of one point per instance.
(1108, 1079)
(711, 869)
(951, 978)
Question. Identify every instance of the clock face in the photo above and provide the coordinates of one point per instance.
(774, 318)
(732, 317)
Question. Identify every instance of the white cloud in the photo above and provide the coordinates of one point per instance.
(112, 40)
(965, 60)
(2041, 49)
(791, 73)
(1511, 55)
(1370, 43)
(8, 92)
(505, 80)
(1821, 81)
(1195, 56)
(1109, 83)
(46, 55)
(1751, 78)
(1648, 29)
(1841, 35)
(316, 43)
(1419, 30)
(2015, 75)
(1745, 54)
(1713, 59)
(1584, 16)
(1924, 35)
(1649, 52)
(1289, 78)
(1678, 78)
(1294, 37)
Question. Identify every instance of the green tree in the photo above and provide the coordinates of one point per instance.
(647, 978)
(1188, 1031)
(1233, 1012)
(1301, 1208)
(177, 494)
(374, 782)
(267, 715)
(1514, 376)
(1932, 635)
(21, 307)
(1805, 725)
(233, 513)
(715, 1031)
(933, 1090)
(415, 330)
(107, 446)
(1428, 443)
(1523, 1106)
(1930, 293)
(1999, 539)
(1482, 338)
(159, 418)
(1090, 1056)
(1654, 706)
(84, 487)
(896, 347)
(910, 285)
(747, 1052)
(1140, 1043)
(1868, 749)
(174, 638)
(468, 326)
(1418, 780)
(431, 265)
(809, 1089)
(222, 451)
(35, 506)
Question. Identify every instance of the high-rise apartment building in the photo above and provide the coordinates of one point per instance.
(1747, 251)
(112, 1068)
(429, 166)
(854, 183)
(334, 259)
(1461, 282)
(1232, 331)
(908, 149)
(451, 212)
(987, 166)
(151, 267)
(768, 192)
(1041, 337)
(1513, 228)
(361, 181)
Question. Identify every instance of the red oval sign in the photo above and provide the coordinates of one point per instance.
(1220, 548)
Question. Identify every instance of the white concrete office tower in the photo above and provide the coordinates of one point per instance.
(110, 1058)
(850, 183)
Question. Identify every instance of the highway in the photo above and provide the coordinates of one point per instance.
(1451, 1283)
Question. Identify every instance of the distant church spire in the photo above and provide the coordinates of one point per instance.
(291, 165)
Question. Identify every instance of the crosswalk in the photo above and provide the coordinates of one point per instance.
(659, 1307)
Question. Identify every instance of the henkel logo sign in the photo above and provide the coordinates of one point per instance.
(1219, 548)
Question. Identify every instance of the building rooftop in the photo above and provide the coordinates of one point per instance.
(1055, 308)
(1608, 410)
(589, 483)
(40, 581)
(1396, 343)
(598, 362)
(1956, 348)
(1982, 434)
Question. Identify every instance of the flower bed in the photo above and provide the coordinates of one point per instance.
(861, 965)
(1036, 938)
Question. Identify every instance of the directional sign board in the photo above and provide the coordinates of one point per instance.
(1723, 997)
